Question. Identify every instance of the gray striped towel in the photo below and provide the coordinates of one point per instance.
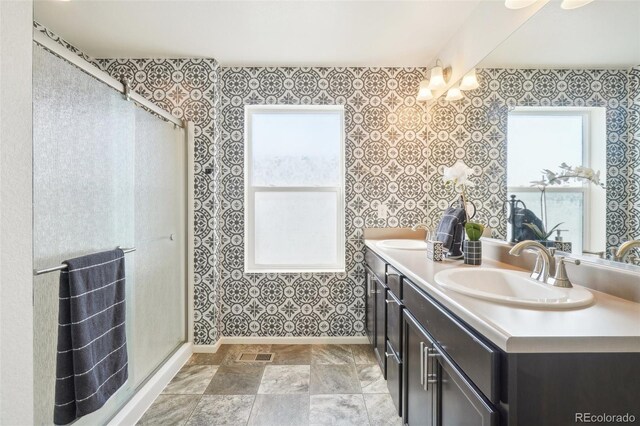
(451, 230)
(92, 346)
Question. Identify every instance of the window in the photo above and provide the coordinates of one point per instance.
(543, 139)
(294, 189)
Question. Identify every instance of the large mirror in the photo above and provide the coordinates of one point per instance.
(565, 90)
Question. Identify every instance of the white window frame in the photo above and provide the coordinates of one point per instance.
(585, 187)
(250, 191)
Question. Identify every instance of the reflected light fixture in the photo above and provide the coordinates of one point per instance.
(454, 94)
(574, 4)
(439, 76)
(424, 93)
(518, 4)
(469, 81)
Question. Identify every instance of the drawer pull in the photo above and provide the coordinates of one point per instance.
(391, 301)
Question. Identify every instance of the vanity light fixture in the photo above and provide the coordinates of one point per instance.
(424, 93)
(469, 81)
(518, 4)
(439, 76)
(454, 94)
(574, 4)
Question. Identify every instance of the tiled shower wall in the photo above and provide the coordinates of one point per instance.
(474, 130)
(385, 187)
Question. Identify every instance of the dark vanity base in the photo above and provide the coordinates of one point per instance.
(441, 371)
(554, 388)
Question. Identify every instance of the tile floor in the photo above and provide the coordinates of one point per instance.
(303, 385)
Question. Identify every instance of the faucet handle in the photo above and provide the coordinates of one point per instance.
(560, 278)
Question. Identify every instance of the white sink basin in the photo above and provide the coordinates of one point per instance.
(403, 244)
(511, 287)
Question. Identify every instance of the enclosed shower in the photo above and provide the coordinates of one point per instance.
(109, 170)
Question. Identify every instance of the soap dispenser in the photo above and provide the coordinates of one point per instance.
(559, 242)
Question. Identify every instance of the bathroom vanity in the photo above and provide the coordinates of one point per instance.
(452, 359)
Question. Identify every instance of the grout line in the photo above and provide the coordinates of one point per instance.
(255, 396)
(193, 410)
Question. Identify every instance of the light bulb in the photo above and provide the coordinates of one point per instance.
(469, 81)
(424, 93)
(518, 4)
(574, 4)
(454, 94)
(436, 81)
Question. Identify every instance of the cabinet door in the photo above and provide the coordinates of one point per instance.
(381, 325)
(419, 375)
(370, 308)
(394, 377)
(460, 401)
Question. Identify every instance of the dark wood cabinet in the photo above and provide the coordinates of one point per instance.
(441, 371)
(435, 391)
(419, 394)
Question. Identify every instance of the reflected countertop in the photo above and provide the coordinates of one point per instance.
(609, 324)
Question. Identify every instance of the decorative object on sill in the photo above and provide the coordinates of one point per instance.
(435, 250)
(515, 213)
(473, 245)
(541, 235)
(459, 176)
(566, 175)
(560, 243)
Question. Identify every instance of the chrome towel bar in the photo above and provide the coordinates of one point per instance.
(62, 266)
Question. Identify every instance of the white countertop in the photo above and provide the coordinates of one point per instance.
(609, 324)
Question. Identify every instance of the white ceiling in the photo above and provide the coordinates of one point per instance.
(261, 33)
(602, 34)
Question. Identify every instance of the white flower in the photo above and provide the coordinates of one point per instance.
(458, 174)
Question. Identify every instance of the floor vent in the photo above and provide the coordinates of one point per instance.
(252, 357)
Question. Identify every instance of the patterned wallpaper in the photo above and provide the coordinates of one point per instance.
(474, 130)
(188, 88)
(393, 175)
(634, 150)
(385, 186)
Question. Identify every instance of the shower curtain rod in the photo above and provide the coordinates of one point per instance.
(43, 40)
(62, 266)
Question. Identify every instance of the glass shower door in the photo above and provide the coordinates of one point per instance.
(106, 174)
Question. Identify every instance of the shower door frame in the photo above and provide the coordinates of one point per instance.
(146, 392)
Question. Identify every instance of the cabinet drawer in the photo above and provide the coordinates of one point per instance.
(394, 281)
(478, 360)
(376, 264)
(394, 322)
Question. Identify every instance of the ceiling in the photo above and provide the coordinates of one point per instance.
(602, 34)
(261, 33)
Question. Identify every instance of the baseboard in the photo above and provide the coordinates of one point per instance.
(258, 340)
(207, 349)
(142, 400)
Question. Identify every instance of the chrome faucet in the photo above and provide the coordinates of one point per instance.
(624, 249)
(544, 261)
(422, 226)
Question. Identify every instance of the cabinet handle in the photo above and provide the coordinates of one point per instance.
(425, 359)
(387, 354)
(391, 301)
(422, 363)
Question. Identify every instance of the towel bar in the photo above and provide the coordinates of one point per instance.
(62, 266)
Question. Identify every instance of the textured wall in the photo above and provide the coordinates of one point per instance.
(16, 267)
(386, 169)
(474, 130)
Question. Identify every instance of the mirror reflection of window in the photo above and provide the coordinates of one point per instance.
(544, 138)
